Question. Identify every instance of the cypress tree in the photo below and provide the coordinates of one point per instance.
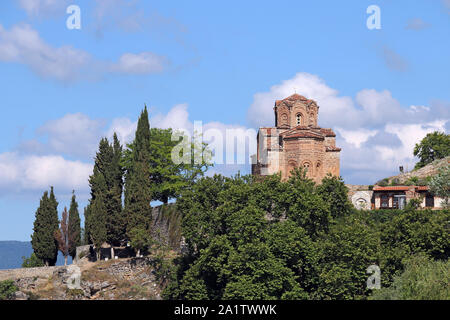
(98, 214)
(137, 181)
(74, 227)
(54, 222)
(115, 222)
(87, 224)
(98, 204)
(45, 225)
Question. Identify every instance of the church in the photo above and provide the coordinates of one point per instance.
(296, 140)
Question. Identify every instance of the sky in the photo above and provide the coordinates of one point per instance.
(220, 62)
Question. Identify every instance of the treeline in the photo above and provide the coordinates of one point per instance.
(251, 238)
(123, 184)
(51, 235)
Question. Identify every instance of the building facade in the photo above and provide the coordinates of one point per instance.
(296, 140)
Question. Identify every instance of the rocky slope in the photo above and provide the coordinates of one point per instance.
(122, 279)
(422, 173)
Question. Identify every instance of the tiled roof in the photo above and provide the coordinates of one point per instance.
(400, 188)
(293, 97)
(328, 132)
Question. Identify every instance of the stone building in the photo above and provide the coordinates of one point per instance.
(296, 141)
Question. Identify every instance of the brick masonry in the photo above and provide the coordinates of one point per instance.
(297, 141)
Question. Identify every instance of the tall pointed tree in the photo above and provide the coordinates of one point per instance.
(74, 227)
(115, 222)
(137, 182)
(46, 223)
(62, 235)
(98, 204)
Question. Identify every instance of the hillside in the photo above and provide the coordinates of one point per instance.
(422, 173)
(123, 279)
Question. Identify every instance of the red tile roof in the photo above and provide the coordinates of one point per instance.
(400, 188)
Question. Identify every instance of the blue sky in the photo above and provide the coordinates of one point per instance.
(223, 63)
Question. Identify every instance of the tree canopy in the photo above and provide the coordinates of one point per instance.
(435, 145)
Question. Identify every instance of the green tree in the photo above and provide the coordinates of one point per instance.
(440, 184)
(74, 227)
(167, 178)
(97, 214)
(435, 145)
(335, 193)
(423, 279)
(45, 225)
(32, 262)
(7, 289)
(137, 181)
(344, 255)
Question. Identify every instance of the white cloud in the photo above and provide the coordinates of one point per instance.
(356, 137)
(22, 44)
(333, 107)
(43, 7)
(36, 173)
(142, 63)
(74, 135)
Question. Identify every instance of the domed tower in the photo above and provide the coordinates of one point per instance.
(296, 141)
(295, 110)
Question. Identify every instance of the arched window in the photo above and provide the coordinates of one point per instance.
(318, 168)
(284, 119)
(299, 119)
(308, 168)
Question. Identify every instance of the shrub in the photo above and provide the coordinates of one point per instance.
(32, 262)
(7, 289)
(423, 279)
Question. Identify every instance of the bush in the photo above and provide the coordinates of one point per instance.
(383, 183)
(423, 279)
(7, 289)
(32, 262)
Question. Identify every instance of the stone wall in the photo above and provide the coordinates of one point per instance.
(41, 272)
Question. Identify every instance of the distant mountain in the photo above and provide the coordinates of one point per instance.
(11, 253)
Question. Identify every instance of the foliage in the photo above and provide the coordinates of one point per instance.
(440, 184)
(137, 180)
(62, 235)
(265, 238)
(74, 227)
(46, 223)
(32, 262)
(168, 178)
(140, 238)
(7, 289)
(435, 145)
(423, 279)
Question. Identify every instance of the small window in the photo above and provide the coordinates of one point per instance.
(384, 201)
(429, 201)
(299, 119)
